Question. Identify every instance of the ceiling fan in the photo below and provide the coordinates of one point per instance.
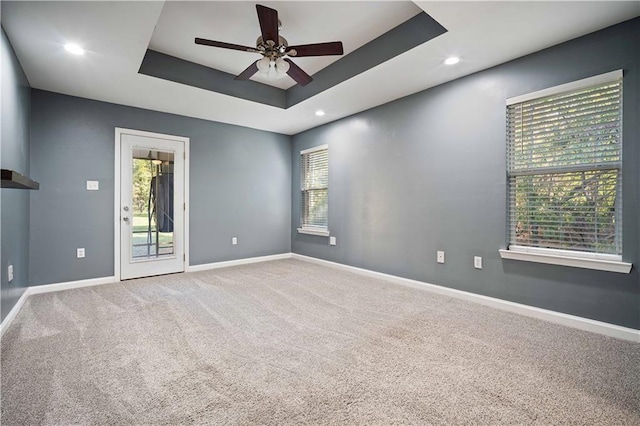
(275, 49)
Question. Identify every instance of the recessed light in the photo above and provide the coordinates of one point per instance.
(452, 60)
(320, 113)
(74, 48)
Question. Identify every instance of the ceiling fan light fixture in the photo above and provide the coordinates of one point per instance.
(264, 65)
(282, 67)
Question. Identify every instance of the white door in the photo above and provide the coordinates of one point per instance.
(152, 204)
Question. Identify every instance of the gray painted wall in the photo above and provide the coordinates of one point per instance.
(14, 155)
(239, 186)
(427, 172)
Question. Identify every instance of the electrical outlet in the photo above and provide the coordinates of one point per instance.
(80, 253)
(440, 256)
(477, 262)
(93, 185)
(10, 273)
(332, 241)
(234, 241)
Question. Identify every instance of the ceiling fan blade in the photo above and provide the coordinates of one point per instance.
(317, 49)
(268, 23)
(296, 73)
(248, 73)
(223, 45)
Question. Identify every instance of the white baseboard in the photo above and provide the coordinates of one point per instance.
(14, 311)
(581, 323)
(225, 264)
(48, 288)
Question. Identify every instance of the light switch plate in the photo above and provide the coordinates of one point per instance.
(93, 185)
(440, 256)
(477, 262)
(234, 240)
(332, 241)
(80, 253)
(10, 273)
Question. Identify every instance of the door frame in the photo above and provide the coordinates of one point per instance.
(117, 190)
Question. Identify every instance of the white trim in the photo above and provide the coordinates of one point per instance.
(236, 262)
(143, 133)
(566, 253)
(119, 131)
(116, 204)
(6, 323)
(314, 149)
(312, 231)
(187, 208)
(49, 288)
(581, 323)
(68, 285)
(566, 258)
(568, 87)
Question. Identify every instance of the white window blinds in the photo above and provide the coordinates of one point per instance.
(564, 169)
(315, 188)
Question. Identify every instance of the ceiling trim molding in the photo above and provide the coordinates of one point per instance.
(411, 33)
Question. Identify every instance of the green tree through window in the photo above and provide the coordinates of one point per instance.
(564, 166)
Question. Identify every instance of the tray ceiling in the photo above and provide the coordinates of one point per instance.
(116, 36)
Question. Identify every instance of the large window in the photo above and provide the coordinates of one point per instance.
(314, 181)
(565, 169)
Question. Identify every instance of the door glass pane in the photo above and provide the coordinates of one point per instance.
(152, 226)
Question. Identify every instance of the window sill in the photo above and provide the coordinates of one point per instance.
(565, 258)
(310, 231)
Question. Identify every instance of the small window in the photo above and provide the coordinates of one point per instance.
(565, 169)
(315, 191)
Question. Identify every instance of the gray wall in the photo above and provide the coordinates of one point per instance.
(239, 186)
(427, 172)
(14, 155)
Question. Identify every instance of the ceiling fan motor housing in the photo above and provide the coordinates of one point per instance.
(270, 50)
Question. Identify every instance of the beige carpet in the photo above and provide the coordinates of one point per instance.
(289, 342)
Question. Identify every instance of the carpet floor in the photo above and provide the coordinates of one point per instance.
(291, 342)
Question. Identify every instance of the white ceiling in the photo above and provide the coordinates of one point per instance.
(354, 23)
(117, 34)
